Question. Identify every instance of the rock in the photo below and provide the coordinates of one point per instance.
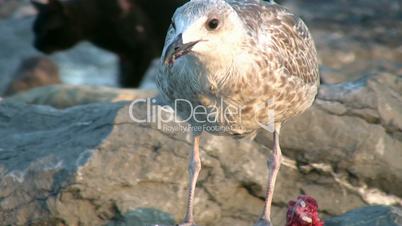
(64, 96)
(34, 72)
(92, 164)
(353, 37)
(143, 217)
(88, 164)
(369, 216)
(350, 138)
(7, 8)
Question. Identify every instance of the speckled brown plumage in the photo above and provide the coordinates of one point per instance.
(260, 57)
(283, 69)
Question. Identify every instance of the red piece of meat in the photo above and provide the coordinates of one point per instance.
(303, 212)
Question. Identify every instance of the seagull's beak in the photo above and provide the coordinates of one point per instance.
(177, 49)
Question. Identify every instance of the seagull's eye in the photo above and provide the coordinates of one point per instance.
(212, 24)
(173, 25)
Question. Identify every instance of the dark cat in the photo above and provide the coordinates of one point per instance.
(133, 29)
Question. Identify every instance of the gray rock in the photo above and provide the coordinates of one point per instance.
(369, 216)
(143, 217)
(87, 164)
(353, 37)
(91, 164)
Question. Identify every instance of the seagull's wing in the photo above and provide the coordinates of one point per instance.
(274, 27)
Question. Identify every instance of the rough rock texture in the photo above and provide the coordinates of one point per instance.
(369, 216)
(353, 37)
(91, 164)
(82, 166)
(350, 141)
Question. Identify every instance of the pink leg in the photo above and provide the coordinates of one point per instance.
(274, 163)
(194, 170)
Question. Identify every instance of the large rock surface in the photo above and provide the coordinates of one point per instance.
(91, 164)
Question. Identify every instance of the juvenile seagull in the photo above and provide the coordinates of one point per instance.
(236, 62)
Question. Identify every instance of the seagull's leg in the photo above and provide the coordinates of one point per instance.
(274, 163)
(194, 169)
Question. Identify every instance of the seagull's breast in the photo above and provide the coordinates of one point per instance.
(197, 95)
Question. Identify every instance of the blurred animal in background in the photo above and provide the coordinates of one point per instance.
(132, 29)
(33, 72)
(303, 212)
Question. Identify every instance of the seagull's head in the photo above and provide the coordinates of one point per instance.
(208, 30)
